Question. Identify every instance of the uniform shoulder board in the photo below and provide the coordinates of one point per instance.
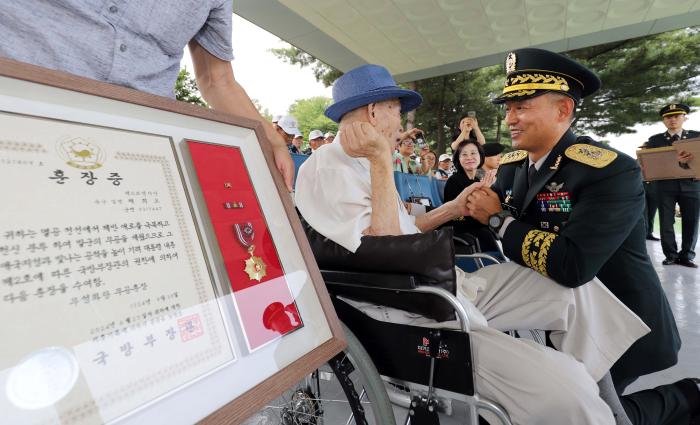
(514, 156)
(590, 155)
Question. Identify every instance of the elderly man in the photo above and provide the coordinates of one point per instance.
(328, 137)
(287, 128)
(571, 209)
(535, 384)
(684, 192)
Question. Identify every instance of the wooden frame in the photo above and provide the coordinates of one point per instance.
(65, 99)
(661, 164)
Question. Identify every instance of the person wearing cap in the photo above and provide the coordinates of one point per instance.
(571, 209)
(346, 191)
(444, 170)
(297, 142)
(287, 127)
(328, 137)
(684, 192)
(492, 156)
(316, 140)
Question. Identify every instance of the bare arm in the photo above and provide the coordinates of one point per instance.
(221, 90)
(361, 140)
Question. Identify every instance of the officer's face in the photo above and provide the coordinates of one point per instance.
(674, 122)
(532, 122)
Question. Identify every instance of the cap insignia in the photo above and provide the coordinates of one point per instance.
(514, 156)
(510, 62)
(590, 155)
(672, 106)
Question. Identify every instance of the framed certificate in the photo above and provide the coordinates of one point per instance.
(662, 164)
(152, 266)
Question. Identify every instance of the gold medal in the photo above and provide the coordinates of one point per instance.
(254, 266)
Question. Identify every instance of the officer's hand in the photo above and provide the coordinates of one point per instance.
(362, 140)
(458, 205)
(684, 157)
(482, 204)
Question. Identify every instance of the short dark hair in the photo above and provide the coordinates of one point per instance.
(460, 147)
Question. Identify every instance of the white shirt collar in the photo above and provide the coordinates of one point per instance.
(539, 162)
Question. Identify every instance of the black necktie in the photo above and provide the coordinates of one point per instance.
(675, 138)
(531, 174)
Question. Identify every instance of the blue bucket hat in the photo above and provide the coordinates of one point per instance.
(368, 84)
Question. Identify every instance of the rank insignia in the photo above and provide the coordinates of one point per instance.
(544, 225)
(556, 164)
(510, 62)
(554, 186)
(590, 155)
(514, 156)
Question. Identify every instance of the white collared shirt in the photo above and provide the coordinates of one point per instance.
(334, 194)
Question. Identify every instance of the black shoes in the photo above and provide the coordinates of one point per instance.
(669, 261)
(687, 263)
(651, 237)
(680, 262)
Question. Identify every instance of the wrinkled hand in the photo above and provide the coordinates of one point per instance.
(362, 140)
(482, 204)
(460, 203)
(684, 157)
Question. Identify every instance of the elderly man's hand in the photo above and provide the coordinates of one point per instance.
(460, 203)
(482, 204)
(685, 157)
(362, 140)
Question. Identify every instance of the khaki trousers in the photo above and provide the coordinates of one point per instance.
(533, 383)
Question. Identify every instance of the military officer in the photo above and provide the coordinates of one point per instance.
(684, 192)
(571, 208)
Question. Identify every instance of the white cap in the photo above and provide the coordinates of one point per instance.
(298, 135)
(288, 124)
(327, 135)
(445, 156)
(315, 134)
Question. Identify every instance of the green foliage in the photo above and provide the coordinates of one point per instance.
(639, 76)
(309, 115)
(263, 111)
(323, 72)
(186, 89)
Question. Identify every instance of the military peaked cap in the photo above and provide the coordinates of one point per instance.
(532, 72)
(674, 109)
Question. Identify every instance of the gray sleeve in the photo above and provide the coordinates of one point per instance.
(215, 35)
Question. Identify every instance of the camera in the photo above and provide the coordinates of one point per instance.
(471, 114)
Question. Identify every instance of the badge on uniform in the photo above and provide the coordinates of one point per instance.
(555, 200)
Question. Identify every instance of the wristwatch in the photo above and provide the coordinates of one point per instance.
(496, 221)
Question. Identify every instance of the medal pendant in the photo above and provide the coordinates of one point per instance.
(255, 266)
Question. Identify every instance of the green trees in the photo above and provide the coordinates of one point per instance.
(639, 76)
(309, 115)
(186, 89)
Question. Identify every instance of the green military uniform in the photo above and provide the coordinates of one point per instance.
(579, 216)
(684, 192)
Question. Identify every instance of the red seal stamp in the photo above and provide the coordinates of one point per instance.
(190, 327)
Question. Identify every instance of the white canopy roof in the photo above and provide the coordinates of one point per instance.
(418, 39)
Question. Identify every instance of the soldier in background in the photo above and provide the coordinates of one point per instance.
(684, 192)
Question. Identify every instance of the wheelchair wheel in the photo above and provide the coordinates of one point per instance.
(346, 390)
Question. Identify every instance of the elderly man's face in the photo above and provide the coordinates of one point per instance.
(674, 122)
(329, 139)
(445, 165)
(387, 116)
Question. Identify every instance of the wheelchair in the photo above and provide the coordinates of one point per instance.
(425, 370)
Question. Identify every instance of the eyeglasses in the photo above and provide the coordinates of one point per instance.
(407, 143)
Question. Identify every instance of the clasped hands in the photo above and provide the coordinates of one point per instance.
(478, 200)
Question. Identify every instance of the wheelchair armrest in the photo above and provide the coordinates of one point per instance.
(390, 281)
